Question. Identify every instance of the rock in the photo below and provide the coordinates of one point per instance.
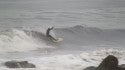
(19, 64)
(122, 67)
(109, 63)
(90, 68)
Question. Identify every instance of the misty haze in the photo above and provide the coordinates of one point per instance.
(60, 34)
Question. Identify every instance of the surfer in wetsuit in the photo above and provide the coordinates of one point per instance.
(48, 33)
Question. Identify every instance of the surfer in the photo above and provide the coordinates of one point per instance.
(51, 37)
(48, 33)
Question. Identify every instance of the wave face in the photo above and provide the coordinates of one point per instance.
(81, 36)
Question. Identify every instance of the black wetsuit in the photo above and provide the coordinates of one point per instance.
(48, 33)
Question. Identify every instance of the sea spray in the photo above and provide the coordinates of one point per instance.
(18, 41)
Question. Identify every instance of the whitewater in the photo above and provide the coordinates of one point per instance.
(91, 30)
(74, 53)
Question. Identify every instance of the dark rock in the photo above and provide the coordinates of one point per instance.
(90, 68)
(109, 63)
(19, 64)
(122, 67)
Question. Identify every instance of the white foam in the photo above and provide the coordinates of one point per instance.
(17, 40)
(97, 56)
(58, 62)
(74, 61)
(70, 61)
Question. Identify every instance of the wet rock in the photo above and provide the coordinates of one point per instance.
(109, 63)
(19, 64)
(122, 67)
(90, 68)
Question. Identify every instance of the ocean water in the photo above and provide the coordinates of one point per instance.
(91, 30)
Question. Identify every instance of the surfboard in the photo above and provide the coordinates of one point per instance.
(55, 39)
(58, 40)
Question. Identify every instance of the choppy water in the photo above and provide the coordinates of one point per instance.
(91, 30)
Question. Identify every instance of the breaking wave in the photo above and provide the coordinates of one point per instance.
(19, 41)
(77, 37)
